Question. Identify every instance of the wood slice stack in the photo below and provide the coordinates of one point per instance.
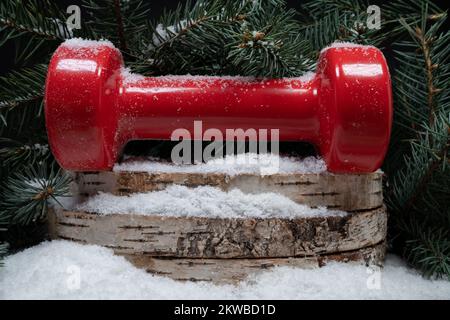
(229, 249)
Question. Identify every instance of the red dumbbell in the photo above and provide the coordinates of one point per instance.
(93, 109)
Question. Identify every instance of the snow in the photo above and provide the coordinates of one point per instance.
(344, 45)
(306, 77)
(187, 79)
(77, 43)
(67, 270)
(203, 201)
(130, 78)
(164, 33)
(248, 163)
(180, 79)
(87, 45)
(205, 81)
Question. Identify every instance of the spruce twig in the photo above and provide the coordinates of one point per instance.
(120, 26)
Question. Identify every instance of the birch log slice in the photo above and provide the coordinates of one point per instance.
(200, 237)
(347, 192)
(225, 250)
(233, 270)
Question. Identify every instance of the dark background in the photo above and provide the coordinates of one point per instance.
(156, 8)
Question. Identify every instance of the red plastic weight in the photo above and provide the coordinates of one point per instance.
(93, 108)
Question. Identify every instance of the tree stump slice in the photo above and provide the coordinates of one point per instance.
(347, 192)
(220, 238)
(224, 250)
(225, 271)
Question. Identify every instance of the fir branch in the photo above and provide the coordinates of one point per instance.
(427, 156)
(411, 11)
(24, 85)
(26, 195)
(14, 154)
(34, 18)
(418, 168)
(121, 21)
(24, 125)
(191, 37)
(34, 28)
(425, 43)
(428, 150)
(425, 46)
(327, 20)
(273, 44)
(320, 8)
(429, 250)
(435, 164)
(336, 21)
(164, 41)
(216, 37)
(120, 26)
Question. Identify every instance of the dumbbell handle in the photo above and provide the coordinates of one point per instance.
(152, 108)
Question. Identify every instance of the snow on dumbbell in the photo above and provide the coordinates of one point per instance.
(93, 107)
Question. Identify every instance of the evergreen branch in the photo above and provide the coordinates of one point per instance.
(429, 250)
(34, 18)
(274, 46)
(424, 107)
(324, 24)
(24, 85)
(433, 166)
(121, 21)
(427, 156)
(324, 21)
(24, 125)
(411, 11)
(187, 17)
(177, 38)
(399, 13)
(419, 93)
(165, 41)
(408, 9)
(120, 26)
(425, 42)
(26, 195)
(320, 8)
(14, 154)
(419, 187)
(253, 38)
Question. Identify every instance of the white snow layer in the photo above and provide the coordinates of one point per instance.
(164, 33)
(80, 43)
(248, 163)
(201, 80)
(203, 201)
(129, 77)
(66, 270)
(344, 44)
(306, 77)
